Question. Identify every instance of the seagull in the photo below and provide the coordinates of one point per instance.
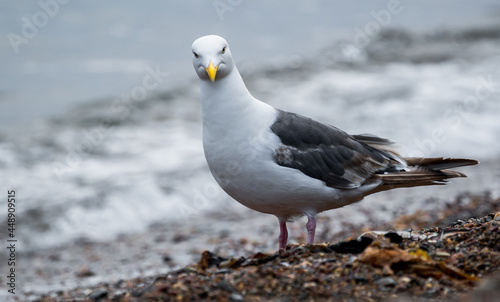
(289, 165)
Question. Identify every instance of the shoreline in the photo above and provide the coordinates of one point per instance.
(228, 246)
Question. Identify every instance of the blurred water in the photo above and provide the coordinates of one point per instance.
(93, 152)
(89, 50)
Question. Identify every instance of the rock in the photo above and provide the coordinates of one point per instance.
(355, 246)
(209, 259)
(98, 295)
(439, 244)
(224, 271)
(394, 237)
(386, 281)
(179, 238)
(236, 297)
(224, 285)
(167, 258)
(84, 273)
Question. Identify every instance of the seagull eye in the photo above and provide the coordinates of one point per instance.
(223, 49)
(195, 55)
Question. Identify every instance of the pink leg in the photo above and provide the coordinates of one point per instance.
(283, 235)
(311, 229)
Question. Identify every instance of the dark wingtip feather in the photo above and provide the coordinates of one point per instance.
(440, 163)
(452, 174)
(371, 139)
(425, 172)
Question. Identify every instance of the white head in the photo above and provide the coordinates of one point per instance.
(212, 58)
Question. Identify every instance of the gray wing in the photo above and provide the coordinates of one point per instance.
(327, 153)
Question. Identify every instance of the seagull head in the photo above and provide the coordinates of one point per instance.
(212, 58)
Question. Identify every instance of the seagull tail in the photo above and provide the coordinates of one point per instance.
(423, 172)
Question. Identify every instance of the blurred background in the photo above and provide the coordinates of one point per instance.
(100, 130)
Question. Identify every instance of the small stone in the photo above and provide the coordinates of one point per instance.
(319, 248)
(209, 259)
(297, 250)
(430, 293)
(350, 261)
(235, 297)
(355, 246)
(224, 285)
(119, 283)
(332, 260)
(232, 262)
(158, 279)
(179, 238)
(310, 285)
(442, 255)
(386, 281)
(140, 292)
(85, 272)
(394, 237)
(360, 279)
(167, 258)
(285, 264)
(98, 295)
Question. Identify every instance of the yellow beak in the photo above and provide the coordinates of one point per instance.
(211, 71)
